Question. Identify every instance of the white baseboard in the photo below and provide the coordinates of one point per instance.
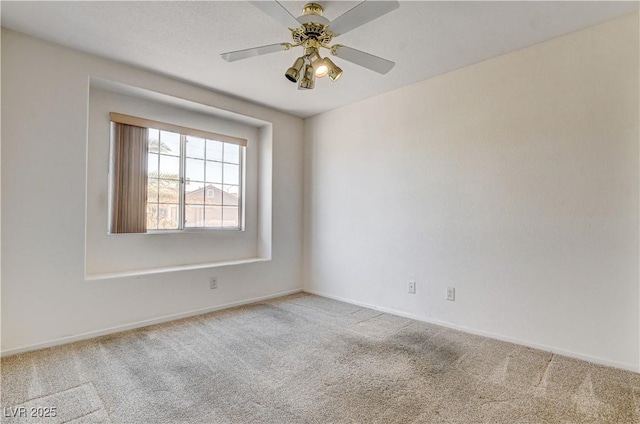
(139, 324)
(589, 358)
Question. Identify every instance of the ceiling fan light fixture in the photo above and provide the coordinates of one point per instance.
(308, 80)
(318, 63)
(293, 73)
(311, 32)
(312, 55)
(321, 69)
(334, 70)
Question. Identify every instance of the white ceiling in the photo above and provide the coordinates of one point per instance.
(185, 39)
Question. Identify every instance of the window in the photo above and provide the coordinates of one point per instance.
(192, 179)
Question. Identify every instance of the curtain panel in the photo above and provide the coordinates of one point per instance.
(129, 201)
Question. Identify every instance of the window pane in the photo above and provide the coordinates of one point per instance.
(229, 216)
(152, 190)
(152, 216)
(154, 140)
(208, 197)
(194, 192)
(213, 194)
(167, 216)
(152, 164)
(169, 191)
(231, 195)
(214, 150)
(194, 169)
(214, 172)
(195, 147)
(213, 216)
(194, 216)
(169, 143)
(169, 167)
(231, 153)
(231, 174)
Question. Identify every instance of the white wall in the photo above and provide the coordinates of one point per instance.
(45, 97)
(514, 180)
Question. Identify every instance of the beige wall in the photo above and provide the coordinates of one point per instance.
(514, 180)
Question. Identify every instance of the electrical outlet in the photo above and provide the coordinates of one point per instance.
(411, 288)
(213, 283)
(451, 294)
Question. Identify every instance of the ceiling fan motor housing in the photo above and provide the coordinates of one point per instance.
(312, 35)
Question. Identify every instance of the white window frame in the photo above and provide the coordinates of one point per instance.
(184, 132)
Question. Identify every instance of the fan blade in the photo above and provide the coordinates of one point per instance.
(277, 12)
(255, 51)
(364, 12)
(366, 60)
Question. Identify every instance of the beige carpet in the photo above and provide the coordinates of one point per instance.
(77, 405)
(306, 359)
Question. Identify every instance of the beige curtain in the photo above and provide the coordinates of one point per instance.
(129, 212)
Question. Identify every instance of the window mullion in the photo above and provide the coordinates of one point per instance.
(241, 160)
(183, 154)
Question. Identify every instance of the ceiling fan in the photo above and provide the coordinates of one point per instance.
(312, 31)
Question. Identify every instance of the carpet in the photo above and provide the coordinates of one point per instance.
(308, 359)
(76, 405)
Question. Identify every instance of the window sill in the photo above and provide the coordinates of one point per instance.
(152, 271)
